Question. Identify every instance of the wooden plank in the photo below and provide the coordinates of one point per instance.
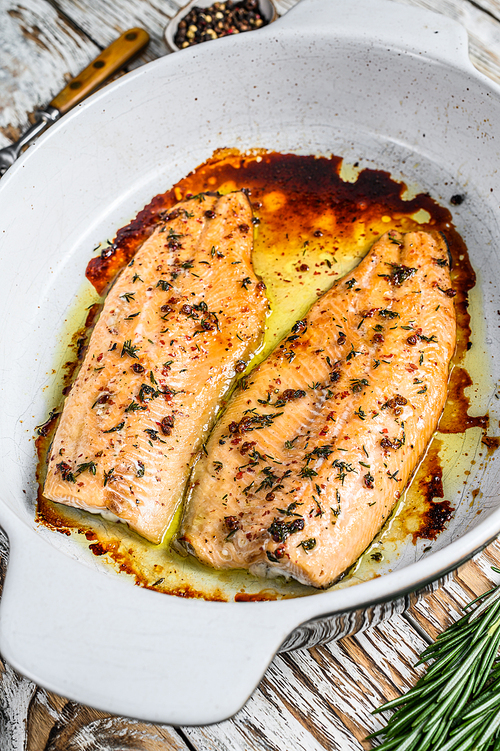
(43, 44)
(103, 21)
(321, 698)
(55, 724)
(483, 29)
(32, 719)
(39, 51)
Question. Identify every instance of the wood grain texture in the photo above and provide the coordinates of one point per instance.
(39, 48)
(102, 21)
(482, 27)
(309, 700)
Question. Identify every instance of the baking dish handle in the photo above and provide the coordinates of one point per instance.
(187, 661)
(383, 23)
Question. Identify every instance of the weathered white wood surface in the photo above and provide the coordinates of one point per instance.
(310, 700)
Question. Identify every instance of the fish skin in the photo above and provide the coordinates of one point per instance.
(267, 516)
(201, 256)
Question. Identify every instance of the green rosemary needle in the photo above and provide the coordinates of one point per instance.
(455, 705)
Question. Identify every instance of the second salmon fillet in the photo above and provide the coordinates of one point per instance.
(179, 324)
(318, 444)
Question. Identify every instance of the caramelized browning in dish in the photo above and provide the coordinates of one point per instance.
(318, 444)
(179, 324)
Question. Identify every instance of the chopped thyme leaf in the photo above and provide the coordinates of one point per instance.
(152, 378)
(350, 284)
(128, 296)
(393, 476)
(357, 384)
(172, 235)
(307, 472)
(117, 427)
(344, 468)
(321, 452)
(431, 339)
(140, 469)
(280, 530)
(290, 509)
(366, 452)
(400, 274)
(137, 278)
(421, 359)
(289, 444)
(130, 349)
(352, 353)
(107, 476)
(246, 282)
(153, 434)
(66, 473)
(164, 285)
(388, 314)
(133, 315)
(319, 510)
(90, 466)
(147, 392)
(218, 466)
(134, 407)
(307, 544)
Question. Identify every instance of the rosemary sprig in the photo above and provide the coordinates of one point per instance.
(455, 706)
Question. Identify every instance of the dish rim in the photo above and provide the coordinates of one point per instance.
(291, 613)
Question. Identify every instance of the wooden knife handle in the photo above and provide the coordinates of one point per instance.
(106, 63)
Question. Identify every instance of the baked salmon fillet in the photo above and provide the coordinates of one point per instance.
(178, 325)
(318, 443)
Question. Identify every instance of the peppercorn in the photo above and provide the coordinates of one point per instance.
(218, 20)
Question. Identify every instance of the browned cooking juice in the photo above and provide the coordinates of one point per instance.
(314, 219)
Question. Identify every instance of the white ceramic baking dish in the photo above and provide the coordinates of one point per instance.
(383, 84)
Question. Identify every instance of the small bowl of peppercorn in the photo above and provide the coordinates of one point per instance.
(204, 20)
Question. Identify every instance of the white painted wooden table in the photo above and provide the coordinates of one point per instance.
(309, 700)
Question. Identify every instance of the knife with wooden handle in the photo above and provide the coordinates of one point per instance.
(114, 57)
